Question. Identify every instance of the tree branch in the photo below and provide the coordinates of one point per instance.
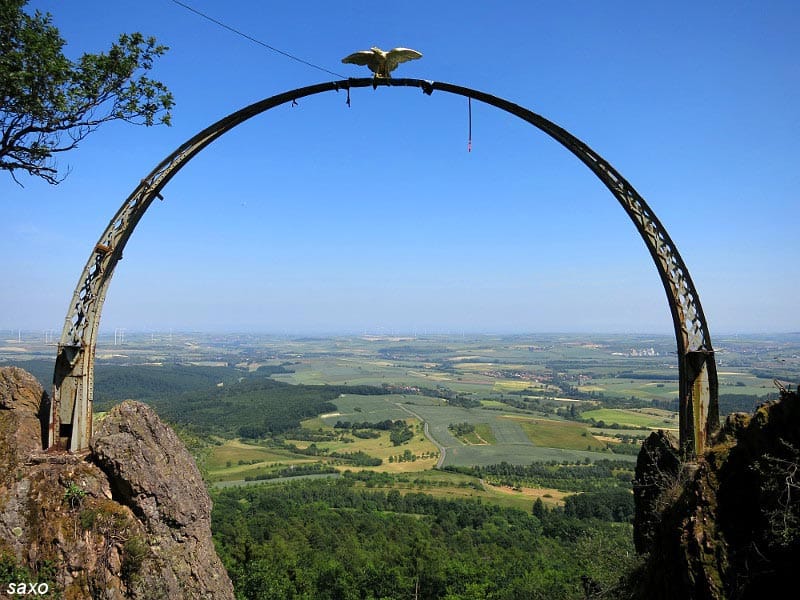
(50, 103)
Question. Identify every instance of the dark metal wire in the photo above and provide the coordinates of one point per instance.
(257, 41)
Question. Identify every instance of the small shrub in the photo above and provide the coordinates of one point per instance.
(74, 495)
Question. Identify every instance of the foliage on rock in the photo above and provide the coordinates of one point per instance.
(729, 525)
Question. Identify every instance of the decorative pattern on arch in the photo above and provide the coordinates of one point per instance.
(73, 379)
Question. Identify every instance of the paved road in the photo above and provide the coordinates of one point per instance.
(442, 449)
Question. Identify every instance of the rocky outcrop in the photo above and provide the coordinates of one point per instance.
(658, 482)
(152, 473)
(129, 520)
(21, 430)
(727, 525)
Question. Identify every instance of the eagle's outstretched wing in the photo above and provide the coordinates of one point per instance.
(364, 58)
(395, 56)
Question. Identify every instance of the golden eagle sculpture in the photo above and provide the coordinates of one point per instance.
(382, 63)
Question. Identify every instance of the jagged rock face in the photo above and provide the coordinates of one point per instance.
(729, 525)
(21, 400)
(657, 483)
(151, 472)
(139, 527)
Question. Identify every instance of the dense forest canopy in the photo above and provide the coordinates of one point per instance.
(329, 540)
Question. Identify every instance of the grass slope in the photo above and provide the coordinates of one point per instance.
(559, 434)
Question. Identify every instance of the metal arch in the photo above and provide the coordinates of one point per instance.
(73, 379)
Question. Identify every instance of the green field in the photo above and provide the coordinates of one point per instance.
(354, 371)
(499, 436)
(406, 477)
(471, 439)
(485, 433)
(504, 431)
(373, 409)
(644, 417)
(235, 460)
(275, 481)
(494, 404)
(730, 382)
(640, 388)
(381, 447)
(447, 485)
(236, 450)
(481, 435)
(734, 382)
(521, 455)
(513, 385)
(608, 432)
(560, 434)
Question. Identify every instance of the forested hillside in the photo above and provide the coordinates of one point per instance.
(329, 540)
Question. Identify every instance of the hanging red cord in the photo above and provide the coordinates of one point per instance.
(469, 109)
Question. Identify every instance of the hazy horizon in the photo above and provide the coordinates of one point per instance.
(12, 334)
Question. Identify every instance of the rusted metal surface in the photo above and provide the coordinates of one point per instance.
(73, 380)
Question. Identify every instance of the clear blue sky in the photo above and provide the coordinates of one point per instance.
(326, 218)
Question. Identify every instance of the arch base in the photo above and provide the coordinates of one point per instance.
(699, 404)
